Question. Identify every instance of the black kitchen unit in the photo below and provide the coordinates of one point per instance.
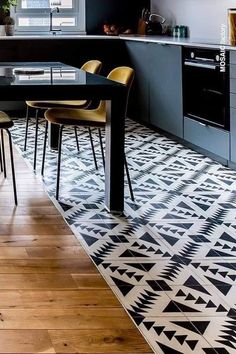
(206, 87)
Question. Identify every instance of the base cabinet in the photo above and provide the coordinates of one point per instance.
(165, 88)
(156, 96)
(212, 139)
(233, 134)
(139, 95)
(233, 106)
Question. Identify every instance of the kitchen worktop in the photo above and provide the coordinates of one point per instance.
(57, 36)
(193, 42)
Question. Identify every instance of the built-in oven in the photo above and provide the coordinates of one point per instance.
(206, 86)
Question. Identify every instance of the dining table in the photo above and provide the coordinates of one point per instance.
(35, 81)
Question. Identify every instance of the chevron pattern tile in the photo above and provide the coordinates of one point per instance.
(171, 258)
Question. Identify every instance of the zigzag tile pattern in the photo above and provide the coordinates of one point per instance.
(171, 259)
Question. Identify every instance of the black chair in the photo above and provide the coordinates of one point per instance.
(5, 124)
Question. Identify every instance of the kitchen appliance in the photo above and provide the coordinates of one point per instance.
(154, 25)
(206, 86)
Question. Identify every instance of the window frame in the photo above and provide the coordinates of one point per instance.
(77, 12)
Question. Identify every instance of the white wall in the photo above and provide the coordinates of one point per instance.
(204, 17)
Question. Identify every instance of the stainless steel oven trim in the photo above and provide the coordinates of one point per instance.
(200, 65)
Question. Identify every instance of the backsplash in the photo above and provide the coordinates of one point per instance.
(204, 17)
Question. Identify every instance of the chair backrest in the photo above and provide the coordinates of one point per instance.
(123, 75)
(92, 66)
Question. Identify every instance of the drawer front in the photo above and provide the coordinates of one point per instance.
(232, 71)
(209, 138)
(233, 134)
(233, 100)
(233, 57)
(233, 85)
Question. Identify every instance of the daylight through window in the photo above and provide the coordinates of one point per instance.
(34, 16)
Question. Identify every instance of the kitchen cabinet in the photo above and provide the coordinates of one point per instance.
(139, 95)
(233, 134)
(207, 137)
(156, 96)
(233, 106)
(165, 87)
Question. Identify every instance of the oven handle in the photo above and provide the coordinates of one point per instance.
(199, 65)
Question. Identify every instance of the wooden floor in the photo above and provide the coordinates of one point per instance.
(52, 298)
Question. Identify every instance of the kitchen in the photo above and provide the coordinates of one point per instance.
(169, 259)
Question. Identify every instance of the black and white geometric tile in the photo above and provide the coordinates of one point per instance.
(171, 258)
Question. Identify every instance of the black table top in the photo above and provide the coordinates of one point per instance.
(46, 73)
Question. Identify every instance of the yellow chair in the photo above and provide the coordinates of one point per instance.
(91, 66)
(87, 117)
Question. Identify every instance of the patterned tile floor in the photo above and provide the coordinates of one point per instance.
(171, 259)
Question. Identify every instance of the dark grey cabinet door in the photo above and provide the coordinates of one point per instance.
(139, 100)
(165, 87)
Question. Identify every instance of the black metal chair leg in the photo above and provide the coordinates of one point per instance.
(12, 166)
(1, 165)
(76, 138)
(26, 127)
(93, 149)
(3, 155)
(44, 147)
(36, 137)
(129, 180)
(101, 144)
(59, 161)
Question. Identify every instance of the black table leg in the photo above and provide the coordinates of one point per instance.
(53, 136)
(114, 166)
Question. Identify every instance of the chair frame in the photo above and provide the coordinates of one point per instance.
(3, 160)
(61, 126)
(36, 128)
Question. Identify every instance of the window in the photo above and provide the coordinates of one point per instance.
(66, 15)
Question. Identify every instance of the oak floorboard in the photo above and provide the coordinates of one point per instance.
(55, 252)
(76, 318)
(26, 341)
(52, 297)
(30, 229)
(57, 299)
(45, 266)
(38, 241)
(32, 219)
(30, 211)
(109, 341)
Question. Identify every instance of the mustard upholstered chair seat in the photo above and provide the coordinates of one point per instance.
(5, 121)
(49, 104)
(78, 117)
(91, 66)
(91, 117)
(88, 118)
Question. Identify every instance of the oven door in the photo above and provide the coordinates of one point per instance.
(206, 93)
